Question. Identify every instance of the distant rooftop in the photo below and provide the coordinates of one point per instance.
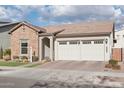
(5, 21)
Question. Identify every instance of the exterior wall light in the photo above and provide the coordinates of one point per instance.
(106, 41)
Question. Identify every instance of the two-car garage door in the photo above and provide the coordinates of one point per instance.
(81, 50)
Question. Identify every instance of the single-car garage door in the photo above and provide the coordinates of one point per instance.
(92, 50)
(81, 50)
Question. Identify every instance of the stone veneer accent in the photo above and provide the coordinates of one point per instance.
(24, 32)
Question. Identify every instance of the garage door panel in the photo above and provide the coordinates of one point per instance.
(69, 51)
(61, 50)
(73, 52)
(92, 51)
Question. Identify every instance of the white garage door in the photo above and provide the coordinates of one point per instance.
(69, 50)
(92, 50)
(81, 50)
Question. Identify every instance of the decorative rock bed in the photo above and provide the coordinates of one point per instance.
(83, 82)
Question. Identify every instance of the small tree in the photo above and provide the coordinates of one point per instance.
(1, 53)
(7, 54)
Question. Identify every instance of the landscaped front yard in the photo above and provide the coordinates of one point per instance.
(11, 63)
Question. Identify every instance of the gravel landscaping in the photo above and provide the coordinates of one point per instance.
(55, 84)
(82, 82)
(96, 83)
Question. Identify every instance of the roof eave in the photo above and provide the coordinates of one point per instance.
(83, 34)
(25, 23)
(46, 34)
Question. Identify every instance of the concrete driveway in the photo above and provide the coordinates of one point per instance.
(75, 65)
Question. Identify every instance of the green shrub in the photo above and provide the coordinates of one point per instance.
(7, 52)
(7, 57)
(34, 58)
(108, 66)
(113, 62)
(15, 57)
(24, 59)
(116, 67)
(1, 53)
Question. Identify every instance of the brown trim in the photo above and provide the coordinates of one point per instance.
(84, 35)
(46, 34)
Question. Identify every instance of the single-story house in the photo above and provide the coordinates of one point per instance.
(89, 41)
(5, 27)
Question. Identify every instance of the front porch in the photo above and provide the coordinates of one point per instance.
(46, 48)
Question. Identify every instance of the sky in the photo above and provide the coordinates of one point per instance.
(43, 15)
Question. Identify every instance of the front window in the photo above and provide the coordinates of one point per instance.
(86, 42)
(98, 42)
(24, 46)
(62, 42)
(74, 42)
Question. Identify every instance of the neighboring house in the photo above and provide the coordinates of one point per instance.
(3, 23)
(90, 41)
(4, 36)
(119, 36)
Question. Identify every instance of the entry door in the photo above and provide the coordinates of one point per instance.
(69, 50)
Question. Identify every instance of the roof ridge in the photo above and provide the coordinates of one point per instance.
(79, 23)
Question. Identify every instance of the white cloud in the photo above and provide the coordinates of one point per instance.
(76, 13)
(60, 13)
(10, 13)
(15, 13)
(119, 16)
(82, 10)
(3, 12)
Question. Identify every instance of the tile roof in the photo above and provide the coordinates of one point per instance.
(82, 28)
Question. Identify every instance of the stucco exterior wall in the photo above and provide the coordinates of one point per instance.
(119, 36)
(26, 33)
